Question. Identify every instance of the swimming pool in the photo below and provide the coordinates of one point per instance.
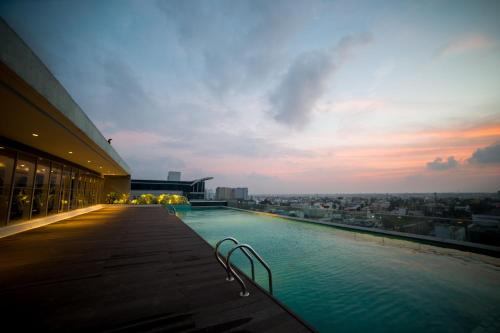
(346, 281)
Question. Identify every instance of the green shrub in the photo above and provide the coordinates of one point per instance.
(111, 197)
(146, 199)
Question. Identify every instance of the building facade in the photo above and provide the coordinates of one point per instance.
(241, 193)
(230, 193)
(224, 193)
(52, 157)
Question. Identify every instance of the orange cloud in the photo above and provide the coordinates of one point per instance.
(379, 159)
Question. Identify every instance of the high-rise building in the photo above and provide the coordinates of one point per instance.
(224, 193)
(241, 193)
(229, 193)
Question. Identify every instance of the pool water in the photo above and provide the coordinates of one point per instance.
(342, 281)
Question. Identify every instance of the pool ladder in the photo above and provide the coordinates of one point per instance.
(231, 273)
(171, 210)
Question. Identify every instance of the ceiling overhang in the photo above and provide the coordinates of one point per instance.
(38, 112)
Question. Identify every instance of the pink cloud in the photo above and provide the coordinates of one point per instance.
(465, 44)
(357, 105)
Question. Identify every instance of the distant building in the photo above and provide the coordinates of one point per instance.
(224, 193)
(400, 211)
(241, 193)
(486, 220)
(230, 193)
(174, 176)
(191, 189)
(209, 194)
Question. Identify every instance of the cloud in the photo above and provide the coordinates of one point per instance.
(355, 105)
(150, 155)
(487, 155)
(440, 164)
(466, 44)
(148, 167)
(124, 88)
(306, 81)
(104, 125)
(237, 44)
(114, 95)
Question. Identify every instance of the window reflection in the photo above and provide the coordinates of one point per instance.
(41, 188)
(23, 187)
(7, 158)
(74, 189)
(33, 187)
(54, 188)
(66, 189)
(87, 189)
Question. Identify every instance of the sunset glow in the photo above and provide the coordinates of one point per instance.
(314, 97)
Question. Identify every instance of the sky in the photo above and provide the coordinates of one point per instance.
(284, 96)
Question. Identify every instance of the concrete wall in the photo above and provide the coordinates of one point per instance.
(118, 184)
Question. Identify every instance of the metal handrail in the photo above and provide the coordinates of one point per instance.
(223, 264)
(244, 292)
(171, 210)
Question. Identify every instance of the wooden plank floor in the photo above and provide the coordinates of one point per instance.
(126, 269)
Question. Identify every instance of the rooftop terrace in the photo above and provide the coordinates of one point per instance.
(126, 269)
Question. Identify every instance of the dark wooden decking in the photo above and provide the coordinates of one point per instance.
(125, 269)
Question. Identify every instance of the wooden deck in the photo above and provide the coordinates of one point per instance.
(126, 269)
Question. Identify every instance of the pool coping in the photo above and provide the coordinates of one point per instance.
(264, 291)
(489, 250)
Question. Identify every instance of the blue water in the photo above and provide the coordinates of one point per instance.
(341, 281)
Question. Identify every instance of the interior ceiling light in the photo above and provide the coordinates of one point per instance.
(70, 152)
(89, 161)
(34, 134)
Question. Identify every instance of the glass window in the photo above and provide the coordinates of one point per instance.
(41, 188)
(93, 193)
(85, 188)
(81, 187)
(54, 188)
(23, 186)
(74, 189)
(7, 158)
(66, 188)
(94, 190)
(101, 190)
(87, 194)
(36, 187)
(89, 190)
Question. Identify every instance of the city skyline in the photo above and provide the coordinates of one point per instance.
(314, 97)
